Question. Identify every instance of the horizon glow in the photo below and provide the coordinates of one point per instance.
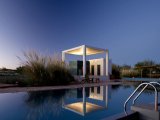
(129, 29)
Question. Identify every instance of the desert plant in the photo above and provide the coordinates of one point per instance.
(115, 71)
(46, 70)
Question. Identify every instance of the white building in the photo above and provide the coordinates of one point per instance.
(98, 67)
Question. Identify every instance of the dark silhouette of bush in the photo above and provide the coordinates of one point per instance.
(45, 70)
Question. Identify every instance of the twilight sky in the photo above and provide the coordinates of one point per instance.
(130, 29)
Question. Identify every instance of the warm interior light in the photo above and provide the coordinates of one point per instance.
(89, 51)
(97, 97)
(79, 107)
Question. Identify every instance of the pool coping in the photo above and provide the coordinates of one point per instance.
(27, 89)
(132, 115)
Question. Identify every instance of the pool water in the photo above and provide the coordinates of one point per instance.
(90, 103)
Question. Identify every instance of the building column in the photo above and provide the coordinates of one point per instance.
(84, 61)
(105, 94)
(63, 56)
(84, 101)
(107, 64)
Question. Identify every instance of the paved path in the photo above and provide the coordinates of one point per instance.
(6, 85)
(26, 89)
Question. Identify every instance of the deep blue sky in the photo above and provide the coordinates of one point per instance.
(130, 29)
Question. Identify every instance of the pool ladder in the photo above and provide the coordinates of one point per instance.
(152, 84)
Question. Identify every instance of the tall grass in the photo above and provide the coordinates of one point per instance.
(46, 70)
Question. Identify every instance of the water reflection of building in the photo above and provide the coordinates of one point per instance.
(92, 99)
(97, 93)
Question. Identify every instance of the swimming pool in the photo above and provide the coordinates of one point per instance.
(143, 79)
(82, 103)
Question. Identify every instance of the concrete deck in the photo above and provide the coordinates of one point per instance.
(7, 85)
(26, 89)
(146, 112)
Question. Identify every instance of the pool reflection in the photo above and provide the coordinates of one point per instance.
(87, 103)
(86, 100)
(80, 103)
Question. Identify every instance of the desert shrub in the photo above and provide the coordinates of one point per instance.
(115, 71)
(20, 80)
(46, 70)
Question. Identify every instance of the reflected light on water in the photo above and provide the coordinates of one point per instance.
(79, 107)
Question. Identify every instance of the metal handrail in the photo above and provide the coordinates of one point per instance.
(156, 95)
(134, 100)
(155, 83)
(139, 94)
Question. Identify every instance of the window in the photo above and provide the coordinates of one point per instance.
(92, 69)
(98, 90)
(98, 70)
(92, 89)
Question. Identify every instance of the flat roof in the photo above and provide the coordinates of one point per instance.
(89, 50)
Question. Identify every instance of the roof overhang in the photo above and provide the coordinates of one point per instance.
(89, 50)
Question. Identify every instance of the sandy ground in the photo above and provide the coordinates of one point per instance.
(11, 89)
